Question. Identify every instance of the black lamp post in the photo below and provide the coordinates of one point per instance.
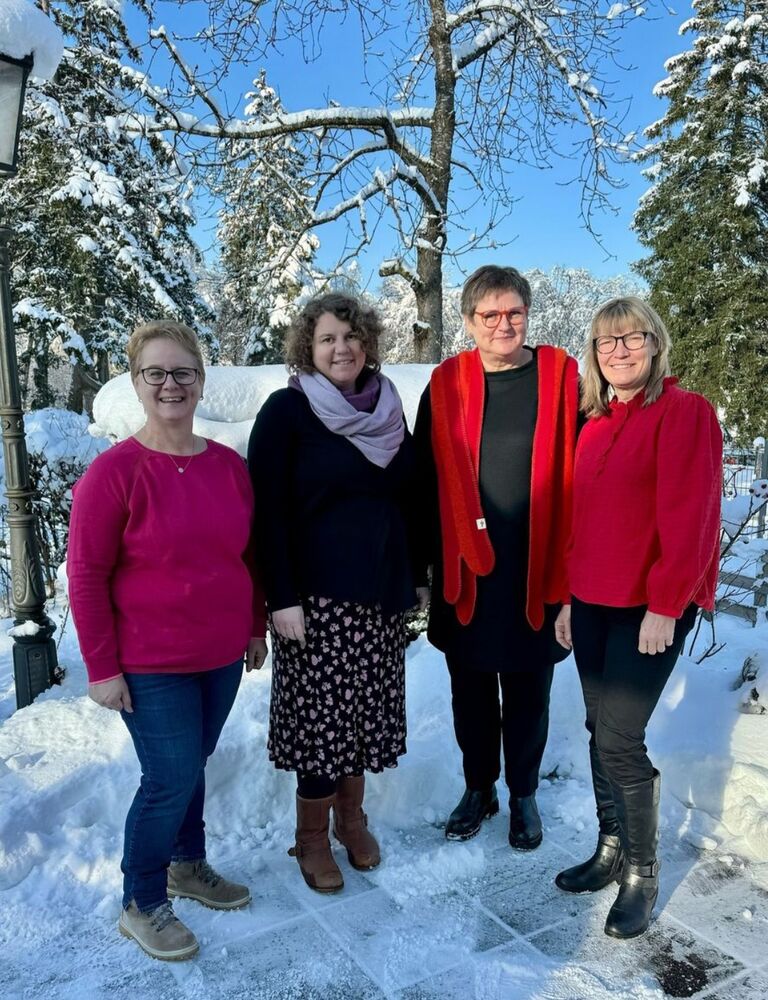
(34, 651)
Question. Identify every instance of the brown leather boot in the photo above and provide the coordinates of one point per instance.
(313, 849)
(350, 824)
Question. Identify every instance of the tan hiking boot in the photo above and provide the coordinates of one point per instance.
(159, 932)
(350, 824)
(197, 880)
(313, 849)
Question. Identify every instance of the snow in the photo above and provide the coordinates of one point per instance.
(232, 398)
(25, 30)
(437, 919)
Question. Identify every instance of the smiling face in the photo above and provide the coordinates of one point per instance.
(337, 352)
(503, 346)
(168, 404)
(627, 371)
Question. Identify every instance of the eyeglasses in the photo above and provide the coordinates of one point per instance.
(633, 341)
(159, 376)
(492, 318)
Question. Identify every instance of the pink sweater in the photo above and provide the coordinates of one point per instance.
(646, 505)
(157, 562)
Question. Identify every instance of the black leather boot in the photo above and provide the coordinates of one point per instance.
(637, 809)
(605, 865)
(525, 833)
(464, 822)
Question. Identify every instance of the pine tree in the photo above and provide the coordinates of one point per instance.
(266, 250)
(704, 219)
(101, 218)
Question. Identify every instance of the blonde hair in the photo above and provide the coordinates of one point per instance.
(596, 391)
(164, 329)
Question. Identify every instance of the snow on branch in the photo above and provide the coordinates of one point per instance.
(365, 119)
(188, 73)
(395, 266)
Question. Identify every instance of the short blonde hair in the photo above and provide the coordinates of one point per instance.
(164, 329)
(596, 392)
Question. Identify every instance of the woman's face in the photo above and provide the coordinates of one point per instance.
(625, 368)
(169, 403)
(337, 352)
(499, 326)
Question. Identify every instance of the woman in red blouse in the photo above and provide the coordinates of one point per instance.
(643, 558)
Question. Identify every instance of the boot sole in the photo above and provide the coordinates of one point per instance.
(181, 955)
(586, 892)
(626, 937)
(325, 890)
(492, 811)
(237, 904)
(530, 846)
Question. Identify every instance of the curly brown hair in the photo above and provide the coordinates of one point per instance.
(363, 320)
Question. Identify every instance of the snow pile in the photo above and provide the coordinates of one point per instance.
(25, 30)
(232, 398)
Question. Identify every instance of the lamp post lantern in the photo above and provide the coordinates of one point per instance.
(34, 651)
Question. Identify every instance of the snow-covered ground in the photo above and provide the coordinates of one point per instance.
(436, 919)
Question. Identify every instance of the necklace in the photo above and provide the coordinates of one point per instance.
(181, 468)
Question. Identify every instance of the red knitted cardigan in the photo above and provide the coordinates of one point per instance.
(457, 393)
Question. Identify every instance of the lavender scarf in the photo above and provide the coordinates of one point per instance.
(378, 434)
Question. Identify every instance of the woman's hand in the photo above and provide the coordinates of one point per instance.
(289, 623)
(656, 633)
(112, 694)
(256, 654)
(422, 598)
(563, 627)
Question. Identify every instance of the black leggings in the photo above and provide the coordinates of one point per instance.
(621, 685)
(316, 786)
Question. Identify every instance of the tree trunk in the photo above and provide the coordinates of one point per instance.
(428, 328)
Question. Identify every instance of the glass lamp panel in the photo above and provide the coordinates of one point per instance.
(13, 76)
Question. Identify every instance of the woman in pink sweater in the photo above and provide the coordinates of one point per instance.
(643, 558)
(165, 608)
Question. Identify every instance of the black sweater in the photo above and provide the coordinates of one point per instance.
(498, 638)
(328, 522)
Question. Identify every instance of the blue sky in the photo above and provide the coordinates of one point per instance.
(544, 225)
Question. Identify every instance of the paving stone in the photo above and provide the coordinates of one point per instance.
(401, 943)
(682, 964)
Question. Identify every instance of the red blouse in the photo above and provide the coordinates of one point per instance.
(646, 504)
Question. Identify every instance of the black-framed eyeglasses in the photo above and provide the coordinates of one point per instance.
(633, 341)
(492, 318)
(159, 376)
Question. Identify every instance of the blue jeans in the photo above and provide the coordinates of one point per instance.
(175, 725)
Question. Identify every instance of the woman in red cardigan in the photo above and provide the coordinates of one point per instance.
(496, 435)
(643, 558)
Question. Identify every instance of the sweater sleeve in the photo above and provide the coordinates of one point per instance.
(427, 520)
(688, 490)
(259, 625)
(271, 452)
(97, 522)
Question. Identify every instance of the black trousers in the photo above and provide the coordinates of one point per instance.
(621, 685)
(482, 722)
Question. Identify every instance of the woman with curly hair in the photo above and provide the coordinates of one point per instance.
(335, 467)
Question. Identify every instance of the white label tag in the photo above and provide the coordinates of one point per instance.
(480, 522)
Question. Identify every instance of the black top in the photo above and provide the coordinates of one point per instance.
(498, 638)
(328, 522)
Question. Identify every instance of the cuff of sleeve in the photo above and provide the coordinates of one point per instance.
(100, 675)
(665, 609)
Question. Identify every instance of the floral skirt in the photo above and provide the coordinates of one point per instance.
(338, 705)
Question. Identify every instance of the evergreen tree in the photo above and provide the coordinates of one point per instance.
(101, 218)
(704, 218)
(266, 250)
